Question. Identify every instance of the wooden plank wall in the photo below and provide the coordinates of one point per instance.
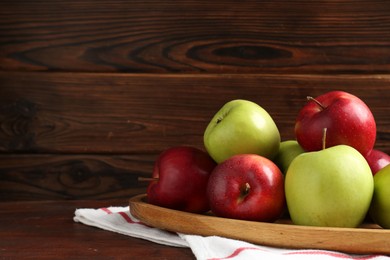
(92, 91)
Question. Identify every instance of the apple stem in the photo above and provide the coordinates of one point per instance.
(247, 188)
(315, 101)
(147, 179)
(324, 138)
(244, 192)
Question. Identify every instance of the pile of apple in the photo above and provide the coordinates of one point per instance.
(331, 175)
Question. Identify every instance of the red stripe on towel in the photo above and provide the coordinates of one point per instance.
(106, 210)
(123, 215)
(333, 254)
(237, 252)
(303, 252)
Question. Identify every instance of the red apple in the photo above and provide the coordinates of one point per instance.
(181, 175)
(247, 187)
(377, 160)
(347, 118)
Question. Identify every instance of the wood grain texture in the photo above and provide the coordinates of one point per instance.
(90, 135)
(64, 177)
(144, 114)
(93, 90)
(196, 36)
(46, 230)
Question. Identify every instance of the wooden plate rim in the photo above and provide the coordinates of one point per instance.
(370, 239)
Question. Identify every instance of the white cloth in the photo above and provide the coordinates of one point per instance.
(119, 219)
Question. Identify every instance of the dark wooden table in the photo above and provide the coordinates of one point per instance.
(46, 230)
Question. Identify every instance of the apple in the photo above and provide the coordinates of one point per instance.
(377, 160)
(288, 150)
(179, 179)
(332, 187)
(247, 187)
(380, 204)
(348, 119)
(241, 127)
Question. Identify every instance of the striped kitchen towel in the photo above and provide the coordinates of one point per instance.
(119, 219)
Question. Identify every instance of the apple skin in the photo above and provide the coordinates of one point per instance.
(347, 118)
(183, 174)
(247, 187)
(241, 127)
(377, 160)
(288, 150)
(332, 188)
(380, 204)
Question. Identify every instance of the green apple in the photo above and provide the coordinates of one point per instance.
(380, 205)
(241, 127)
(332, 187)
(288, 150)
